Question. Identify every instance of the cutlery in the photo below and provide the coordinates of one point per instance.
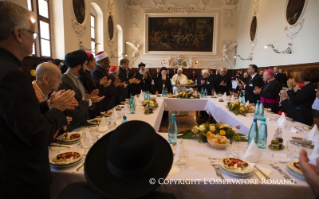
(59, 145)
(216, 166)
(261, 172)
(275, 166)
(79, 167)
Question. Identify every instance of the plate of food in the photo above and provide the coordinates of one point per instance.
(106, 113)
(68, 137)
(236, 166)
(308, 128)
(119, 107)
(66, 158)
(94, 121)
(294, 167)
(268, 109)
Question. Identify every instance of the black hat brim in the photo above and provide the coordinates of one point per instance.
(100, 178)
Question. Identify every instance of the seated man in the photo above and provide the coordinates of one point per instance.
(179, 81)
(77, 63)
(163, 82)
(48, 79)
(223, 82)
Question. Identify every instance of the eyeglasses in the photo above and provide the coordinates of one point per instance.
(34, 33)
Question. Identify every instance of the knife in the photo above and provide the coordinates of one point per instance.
(77, 169)
(59, 145)
(262, 172)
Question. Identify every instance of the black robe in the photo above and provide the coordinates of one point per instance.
(223, 89)
(119, 92)
(145, 84)
(209, 84)
(123, 77)
(90, 85)
(299, 105)
(271, 92)
(250, 86)
(279, 77)
(109, 92)
(80, 114)
(25, 128)
(159, 85)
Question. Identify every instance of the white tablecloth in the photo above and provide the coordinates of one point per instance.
(199, 167)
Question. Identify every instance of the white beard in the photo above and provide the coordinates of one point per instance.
(142, 72)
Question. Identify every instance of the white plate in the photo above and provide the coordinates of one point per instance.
(94, 123)
(61, 138)
(65, 163)
(293, 169)
(248, 170)
(106, 115)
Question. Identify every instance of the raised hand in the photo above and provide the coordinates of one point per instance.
(202, 82)
(116, 82)
(107, 83)
(94, 93)
(62, 99)
(291, 83)
(73, 104)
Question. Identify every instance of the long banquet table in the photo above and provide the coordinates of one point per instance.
(198, 167)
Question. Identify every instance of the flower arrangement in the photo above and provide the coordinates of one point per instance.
(237, 108)
(185, 95)
(202, 131)
(152, 103)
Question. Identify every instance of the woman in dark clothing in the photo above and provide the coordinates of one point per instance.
(298, 105)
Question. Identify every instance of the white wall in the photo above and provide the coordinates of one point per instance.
(271, 22)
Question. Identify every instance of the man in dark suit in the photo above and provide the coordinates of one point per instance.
(163, 81)
(223, 82)
(100, 71)
(205, 82)
(25, 124)
(215, 75)
(284, 78)
(124, 64)
(278, 76)
(77, 63)
(254, 80)
(169, 75)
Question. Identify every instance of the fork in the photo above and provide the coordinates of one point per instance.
(215, 165)
(275, 166)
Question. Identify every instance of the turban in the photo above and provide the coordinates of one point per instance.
(75, 58)
(101, 55)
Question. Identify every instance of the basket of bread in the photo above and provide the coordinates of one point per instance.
(216, 141)
(250, 109)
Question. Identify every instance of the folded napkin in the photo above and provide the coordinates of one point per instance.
(282, 120)
(232, 98)
(141, 98)
(224, 96)
(215, 94)
(294, 130)
(103, 125)
(174, 170)
(314, 155)
(253, 153)
(114, 115)
(267, 172)
(137, 100)
(314, 134)
(85, 141)
(247, 103)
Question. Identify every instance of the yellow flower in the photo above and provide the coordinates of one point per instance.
(222, 132)
(212, 128)
(221, 126)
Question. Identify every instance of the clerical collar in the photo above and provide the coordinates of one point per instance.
(44, 96)
(271, 80)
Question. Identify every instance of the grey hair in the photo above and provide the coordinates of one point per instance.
(13, 16)
(45, 68)
(205, 71)
(223, 68)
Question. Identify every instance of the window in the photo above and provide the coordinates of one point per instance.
(30, 8)
(93, 36)
(44, 28)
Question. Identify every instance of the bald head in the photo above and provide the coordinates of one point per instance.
(48, 77)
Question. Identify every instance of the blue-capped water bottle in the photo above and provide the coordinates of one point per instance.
(124, 119)
(172, 130)
(262, 134)
(205, 93)
(261, 111)
(163, 92)
(256, 109)
(166, 92)
(253, 132)
(132, 108)
(243, 99)
(202, 93)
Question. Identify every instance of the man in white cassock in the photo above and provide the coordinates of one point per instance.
(179, 82)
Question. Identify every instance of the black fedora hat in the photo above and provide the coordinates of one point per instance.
(121, 163)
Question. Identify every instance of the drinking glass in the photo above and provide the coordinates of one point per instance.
(291, 148)
(228, 148)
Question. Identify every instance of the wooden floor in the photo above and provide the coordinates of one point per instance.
(184, 122)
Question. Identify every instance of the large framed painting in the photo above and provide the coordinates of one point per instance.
(181, 34)
(110, 27)
(253, 28)
(294, 10)
(79, 10)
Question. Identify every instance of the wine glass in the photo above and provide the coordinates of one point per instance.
(291, 148)
(228, 148)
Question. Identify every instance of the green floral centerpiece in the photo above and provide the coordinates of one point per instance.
(204, 131)
(152, 103)
(237, 108)
(184, 95)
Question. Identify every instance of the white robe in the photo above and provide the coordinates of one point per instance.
(181, 87)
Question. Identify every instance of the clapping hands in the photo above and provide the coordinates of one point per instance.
(93, 96)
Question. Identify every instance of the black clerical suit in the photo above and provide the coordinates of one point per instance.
(159, 82)
(25, 128)
(123, 77)
(222, 89)
(145, 84)
(270, 95)
(250, 86)
(208, 85)
(279, 78)
(119, 91)
(299, 105)
(110, 92)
